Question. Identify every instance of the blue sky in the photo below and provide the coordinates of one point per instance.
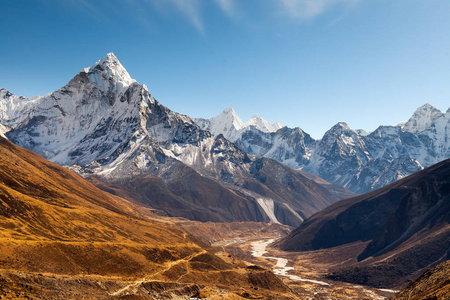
(305, 63)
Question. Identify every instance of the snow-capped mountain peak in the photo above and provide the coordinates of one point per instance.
(230, 116)
(84, 120)
(422, 118)
(231, 126)
(109, 74)
(227, 123)
(340, 128)
(262, 124)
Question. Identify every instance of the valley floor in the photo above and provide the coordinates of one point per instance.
(246, 245)
(303, 272)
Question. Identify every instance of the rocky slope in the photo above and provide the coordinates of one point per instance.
(355, 159)
(105, 125)
(406, 227)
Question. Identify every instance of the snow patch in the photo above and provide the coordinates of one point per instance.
(3, 130)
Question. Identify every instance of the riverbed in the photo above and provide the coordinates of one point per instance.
(280, 268)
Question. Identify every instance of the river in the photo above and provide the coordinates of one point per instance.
(280, 268)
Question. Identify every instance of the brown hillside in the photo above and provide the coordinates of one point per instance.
(433, 284)
(61, 237)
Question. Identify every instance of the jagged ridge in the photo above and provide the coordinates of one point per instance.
(355, 159)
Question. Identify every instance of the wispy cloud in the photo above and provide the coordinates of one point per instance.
(84, 7)
(194, 10)
(308, 9)
(191, 9)
(227, 6)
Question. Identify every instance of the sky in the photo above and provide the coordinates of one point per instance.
(303, 63)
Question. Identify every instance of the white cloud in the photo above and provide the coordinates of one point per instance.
(307, 9)
(191, 9)
(85, 7)
(227, 6)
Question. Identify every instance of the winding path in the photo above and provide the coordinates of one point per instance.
(133, 286)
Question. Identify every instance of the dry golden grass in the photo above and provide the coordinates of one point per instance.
(61, 237)
(433, 284)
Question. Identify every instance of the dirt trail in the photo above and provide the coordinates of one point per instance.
(133, 286)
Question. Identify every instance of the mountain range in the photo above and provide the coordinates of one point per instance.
(154, 162)
(107, 127)
(355, 159)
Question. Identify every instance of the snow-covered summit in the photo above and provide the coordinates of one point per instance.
(231, 126)
(85, 119)
(227, 120)
(262, 124)
(422, 118)
(109, 74)
(106, 124)
(341, 126)
(227, 123)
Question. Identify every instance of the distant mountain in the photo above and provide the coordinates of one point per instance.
(61, 237)
(406, 226)
(355, 159)
(231, 126)
(422, 119)
(433, 284)
(106, 126)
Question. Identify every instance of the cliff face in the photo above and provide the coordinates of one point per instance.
(426, 207)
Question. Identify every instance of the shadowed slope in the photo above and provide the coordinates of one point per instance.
(406, 224)
(361, 217)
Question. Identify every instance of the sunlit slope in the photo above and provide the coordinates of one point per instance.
(61, 236)
(42, 201)
(433, 284)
